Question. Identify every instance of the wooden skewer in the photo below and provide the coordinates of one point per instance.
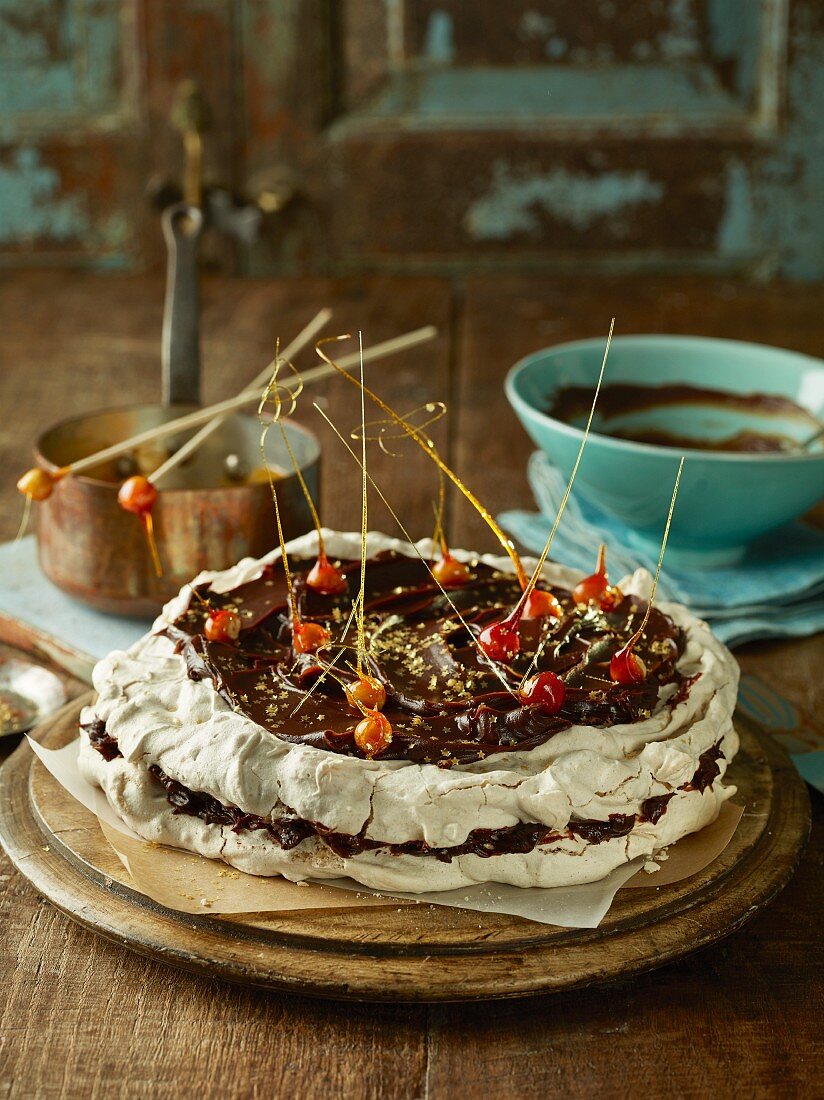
(252, 391)
(29, 487)
(191, 445)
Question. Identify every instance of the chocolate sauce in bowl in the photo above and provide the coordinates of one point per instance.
(617, 399)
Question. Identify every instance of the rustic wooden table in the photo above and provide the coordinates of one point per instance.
(80, 1017)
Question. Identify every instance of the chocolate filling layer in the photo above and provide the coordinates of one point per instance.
(447, 704)
(288, 832)
(100, 739)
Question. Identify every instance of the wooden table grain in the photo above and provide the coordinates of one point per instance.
(80, 1017)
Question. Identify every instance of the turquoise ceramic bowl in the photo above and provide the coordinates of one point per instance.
(726, 499)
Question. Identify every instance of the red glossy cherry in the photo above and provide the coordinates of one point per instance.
(627, 667)
(373, 733)
(137, 494)
(366, 692)
(541, 605)
(596, 588)
(326, 578)
(546, 690)
(309, 637)
(500, 641)
(451, 573)
(222, 626)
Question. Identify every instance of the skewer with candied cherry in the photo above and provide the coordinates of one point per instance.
(139, 494)
(428, 447)
(307, 636)
(447, 571)
(373, 734)
(596, 588)
(424, 561)
(500, 638)
(500, 641)
(626, 667)
(325, 577)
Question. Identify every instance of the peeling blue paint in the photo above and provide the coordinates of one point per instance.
(59, 57)
(733, 29)
(536, 24)
(556, 48)
(512, 205)
(682, 40)
(736, 230)
(439, 47)
(790, 210)
(31, 205)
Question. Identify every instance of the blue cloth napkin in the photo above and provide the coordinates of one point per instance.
(740, 602)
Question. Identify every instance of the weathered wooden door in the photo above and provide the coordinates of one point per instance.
(69, 176)
(430, 134)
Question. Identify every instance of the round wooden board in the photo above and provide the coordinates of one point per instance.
(419, 953)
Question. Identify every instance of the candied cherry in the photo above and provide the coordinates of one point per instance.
(222, 626)
(541, 605)
(596, 588)
(451, 573)
(500, 641)
(546, 690)
(137, 494)
(366, 692)
(36, 483)
(309, 637)
(373, 733)
(627, 667)
(326, 578)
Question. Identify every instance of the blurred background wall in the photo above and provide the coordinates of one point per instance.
(437, 135)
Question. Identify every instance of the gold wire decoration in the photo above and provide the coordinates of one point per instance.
(328, 669)
(273, 392)
(506, 685)
(536, 573)
(364, 517)
(439, 535)
(647, 613)
(304, 488)
(636, 636)
(429, 449)
(382, 430)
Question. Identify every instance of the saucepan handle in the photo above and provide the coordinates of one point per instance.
(182, 227)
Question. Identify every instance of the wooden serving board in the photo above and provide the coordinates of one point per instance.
(417, 953)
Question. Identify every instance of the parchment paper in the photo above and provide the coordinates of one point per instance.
(192, 884)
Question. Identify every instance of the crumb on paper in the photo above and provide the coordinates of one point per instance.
(207, 903)
(651, 867)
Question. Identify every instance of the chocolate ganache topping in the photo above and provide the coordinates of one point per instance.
(446, 702)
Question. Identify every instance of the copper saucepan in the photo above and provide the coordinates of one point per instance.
(96, 552)
(208, 514)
